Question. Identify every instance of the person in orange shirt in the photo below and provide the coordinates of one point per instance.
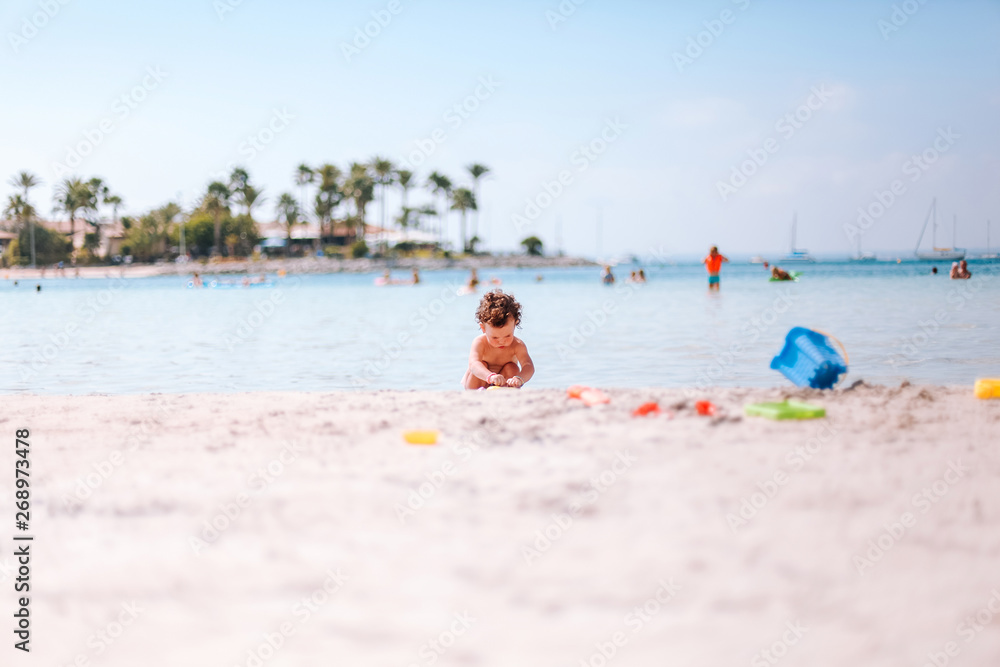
(713, 263)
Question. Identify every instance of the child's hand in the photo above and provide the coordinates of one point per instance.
(515, 382)
(496, 380)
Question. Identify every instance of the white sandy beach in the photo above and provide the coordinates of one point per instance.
(640, 560)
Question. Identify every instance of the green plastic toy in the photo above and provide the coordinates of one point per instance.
(785, 410)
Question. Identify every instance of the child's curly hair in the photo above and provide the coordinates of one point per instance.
(495, 307)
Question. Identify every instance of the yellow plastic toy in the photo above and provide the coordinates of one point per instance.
(421, 437)
(987, 388)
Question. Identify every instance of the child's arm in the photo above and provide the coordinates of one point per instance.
(527, 367)
(478, 368)
(724, 258)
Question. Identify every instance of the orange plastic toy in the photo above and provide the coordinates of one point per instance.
(588, 395)
(705, 408)
(645, 409)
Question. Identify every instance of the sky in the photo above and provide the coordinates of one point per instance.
(610, 128)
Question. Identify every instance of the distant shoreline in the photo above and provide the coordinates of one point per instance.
(301, 265)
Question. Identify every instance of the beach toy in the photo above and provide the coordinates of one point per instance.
(705, 408)
(647, 409)
(493, 387)
(785, 410)
(588, 395)
(809, 360)
(987, 388)
(421, 437)
(794, 275)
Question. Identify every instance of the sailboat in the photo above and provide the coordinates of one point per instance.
(797, 254)
(863, 256)
(989, 254)
(937, 254)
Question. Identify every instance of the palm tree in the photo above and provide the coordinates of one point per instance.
(216, 202)
(20, 210)
(115, 202)
(385, 175)
(288, 209)
(97, 193)
(304, 175)
(251, 197)
(360, 188)
(441, 185)
(463, 200)
(477, 171)
(329, 196)
(405, 180)
(410, 217)
(239, 178)
(26, 180)
(71, 196)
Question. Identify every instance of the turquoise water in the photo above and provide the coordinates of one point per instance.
(329, 332)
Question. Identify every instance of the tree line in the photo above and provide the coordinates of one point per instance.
(222, 223)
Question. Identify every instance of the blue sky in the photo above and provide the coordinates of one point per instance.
(680, 129)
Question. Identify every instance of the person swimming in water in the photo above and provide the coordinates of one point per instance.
(714, 263)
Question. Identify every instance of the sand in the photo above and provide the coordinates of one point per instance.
(537, 532)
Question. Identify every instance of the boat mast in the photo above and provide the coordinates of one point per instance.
(926, 220)
(934, 226)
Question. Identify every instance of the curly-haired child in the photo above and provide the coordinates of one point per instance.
(498, 357)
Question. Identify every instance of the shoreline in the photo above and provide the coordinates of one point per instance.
(302, 265)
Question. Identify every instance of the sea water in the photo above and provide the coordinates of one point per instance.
(341, 331)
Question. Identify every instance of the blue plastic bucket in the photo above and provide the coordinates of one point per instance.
(810, 360)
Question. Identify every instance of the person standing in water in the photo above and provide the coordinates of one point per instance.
(713, 263)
